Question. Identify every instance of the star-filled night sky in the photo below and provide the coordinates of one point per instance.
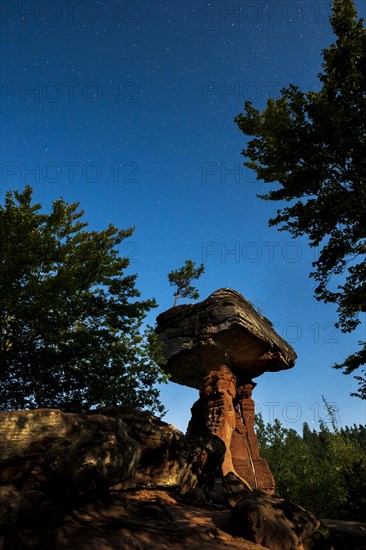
(128, 107)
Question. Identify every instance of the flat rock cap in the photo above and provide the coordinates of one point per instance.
(224, 329)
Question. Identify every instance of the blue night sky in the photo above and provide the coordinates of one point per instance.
(128, 107)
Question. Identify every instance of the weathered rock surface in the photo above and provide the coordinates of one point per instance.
(214, 411)
(168, 458)
(48, 457)
(132, 520)
(224, 329)
(233, 489)
(227, 411)
(218, 346)
(274, 523)
(122, 479)
(244, 444)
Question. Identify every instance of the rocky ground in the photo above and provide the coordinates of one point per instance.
(119, 478)
(134, 520)
(154, 519)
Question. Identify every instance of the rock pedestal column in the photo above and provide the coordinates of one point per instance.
(244, 443)
(227, 410)
(215, 412)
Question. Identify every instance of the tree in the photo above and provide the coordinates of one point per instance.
(70, 324)
(313, 144)
(182, 278)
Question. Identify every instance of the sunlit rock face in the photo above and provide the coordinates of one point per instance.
(226, 330)
(218, 346)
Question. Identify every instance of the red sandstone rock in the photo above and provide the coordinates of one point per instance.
(214, 411)
(228, 412)
(218, 346)
(244, 444)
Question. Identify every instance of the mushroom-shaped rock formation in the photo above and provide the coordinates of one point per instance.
(218, 346)
(224, 329)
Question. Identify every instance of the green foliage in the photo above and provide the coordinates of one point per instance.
(182, 278)
(70, 324)
(314, 145)
(325, 471)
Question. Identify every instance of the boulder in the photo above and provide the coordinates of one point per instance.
(47, 455)
(75, 449)
(169, 459)
(273, 522)
(226, 330)
(48, 458)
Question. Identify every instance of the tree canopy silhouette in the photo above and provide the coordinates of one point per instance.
(71, 324)
(313, 144)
